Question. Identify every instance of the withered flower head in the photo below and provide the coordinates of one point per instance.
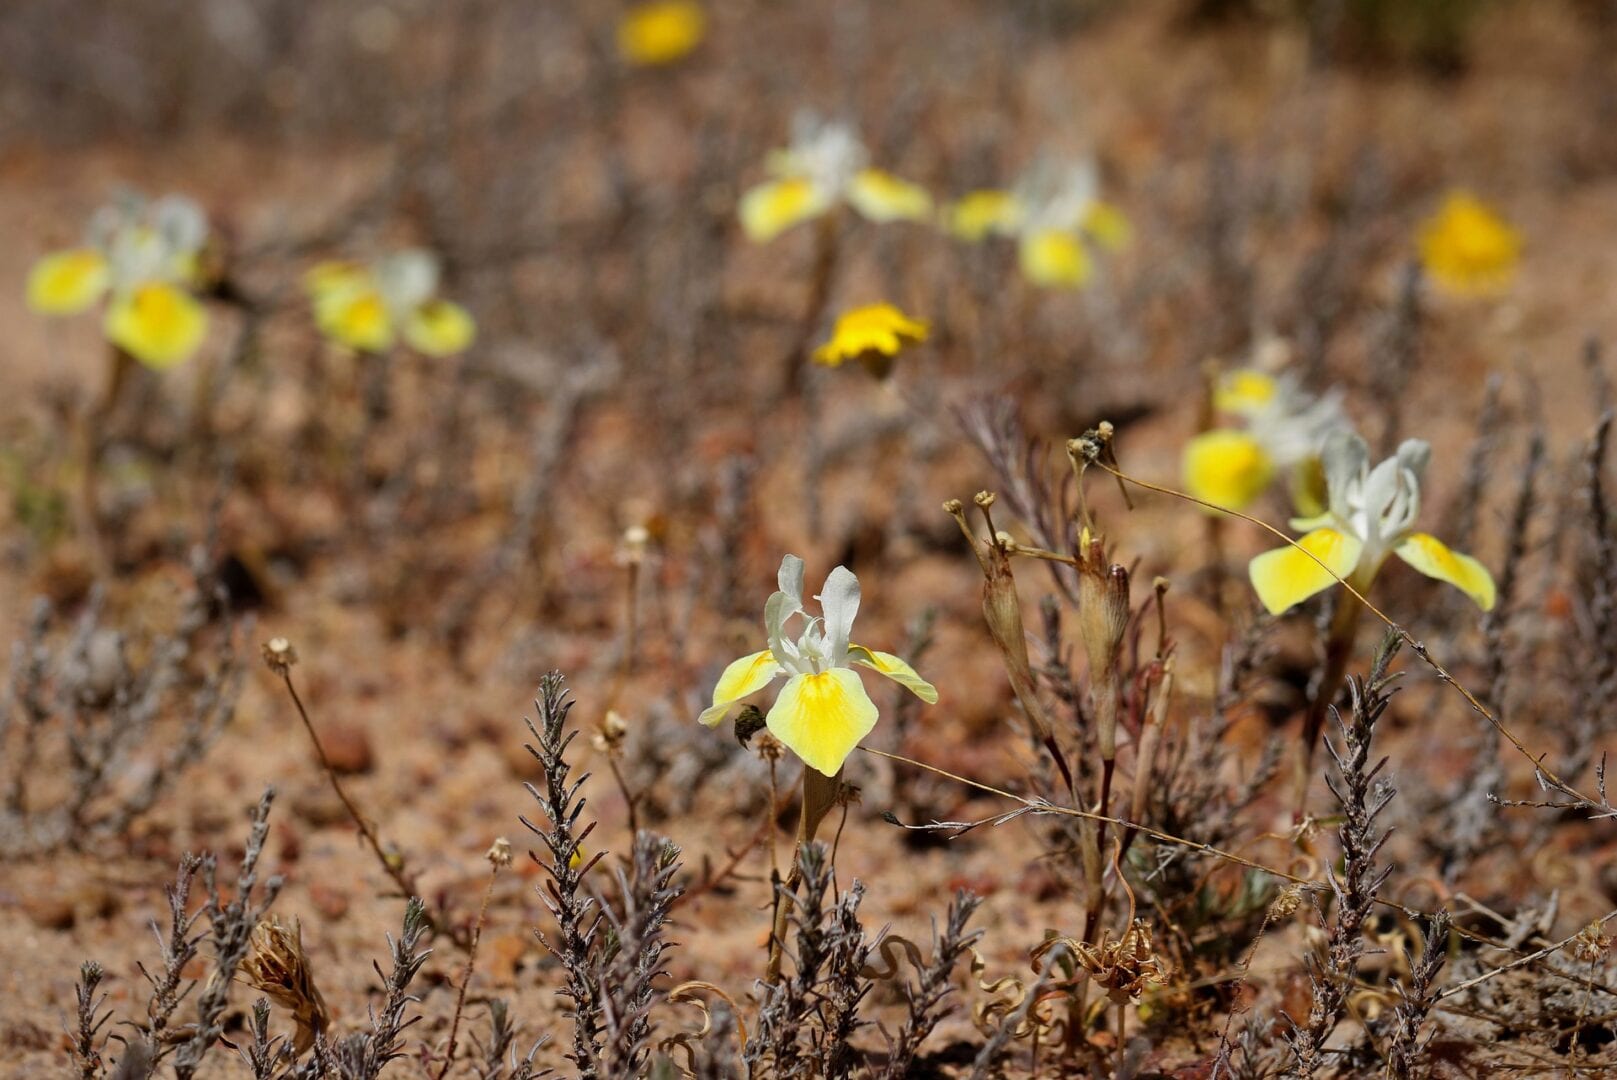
(1592, 943)
(279, 655)
(499, 853)
(611, 733)
(277, 966)
(1124, 968)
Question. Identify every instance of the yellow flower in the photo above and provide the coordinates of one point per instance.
(1284, 429)
(881, 197)
(823, 711)
(1468, 248)
(1056, 259)
(1371, 515)
(68, 282)
(368, 306)
(1227, 468)
(979, 214)
(660, 32)
(144, 255)
(158, 324)
(824, 166)
(873, 334)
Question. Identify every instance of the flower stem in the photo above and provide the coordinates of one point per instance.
(391, 865)
(1339, 640)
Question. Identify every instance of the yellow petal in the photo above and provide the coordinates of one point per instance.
(775, 206)
(1436, 559)
(67, 282)
(881, 196)
(1468, 248)
(1287, 576)
(1054, 258)
(745, 676)
(335, 276)
(660, 32)
(159, 325)
(821, 718)
(1107, 226)
(895, 669)
(978, 214)
(1227, 468)
(440, 328)
(1309, 495)
(357, 318)
(1244, 392)
(880, 329)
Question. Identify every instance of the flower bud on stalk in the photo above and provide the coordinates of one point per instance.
(1003, 612)
(1103, 618)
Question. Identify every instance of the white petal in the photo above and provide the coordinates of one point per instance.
(839, 601)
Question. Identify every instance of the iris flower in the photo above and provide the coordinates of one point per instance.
(367, 306)
(660, 32)
(143, 257)
(1467, 248)
(1371, 515)
(1054, 213)
(825, 166)
(1283, 430)
(822, 712)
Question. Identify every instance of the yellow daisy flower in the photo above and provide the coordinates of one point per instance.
(1372, 514)
(660, 32)
(1469, 249)
(873, 335)
(823, 711)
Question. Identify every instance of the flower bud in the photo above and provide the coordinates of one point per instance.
(1103, 605)
(1103, 618)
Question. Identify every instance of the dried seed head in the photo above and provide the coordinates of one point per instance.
(769, 748)
(609, 736)
(635, 540)
(279, 655)
(1592, 943)
(499, 853)
(1286, 904)
(277, 966)
(849, 794)
(953, 507)
(984, 499)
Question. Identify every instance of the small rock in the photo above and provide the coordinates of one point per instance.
(330, 902)
(348, 749)
(52, 911)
